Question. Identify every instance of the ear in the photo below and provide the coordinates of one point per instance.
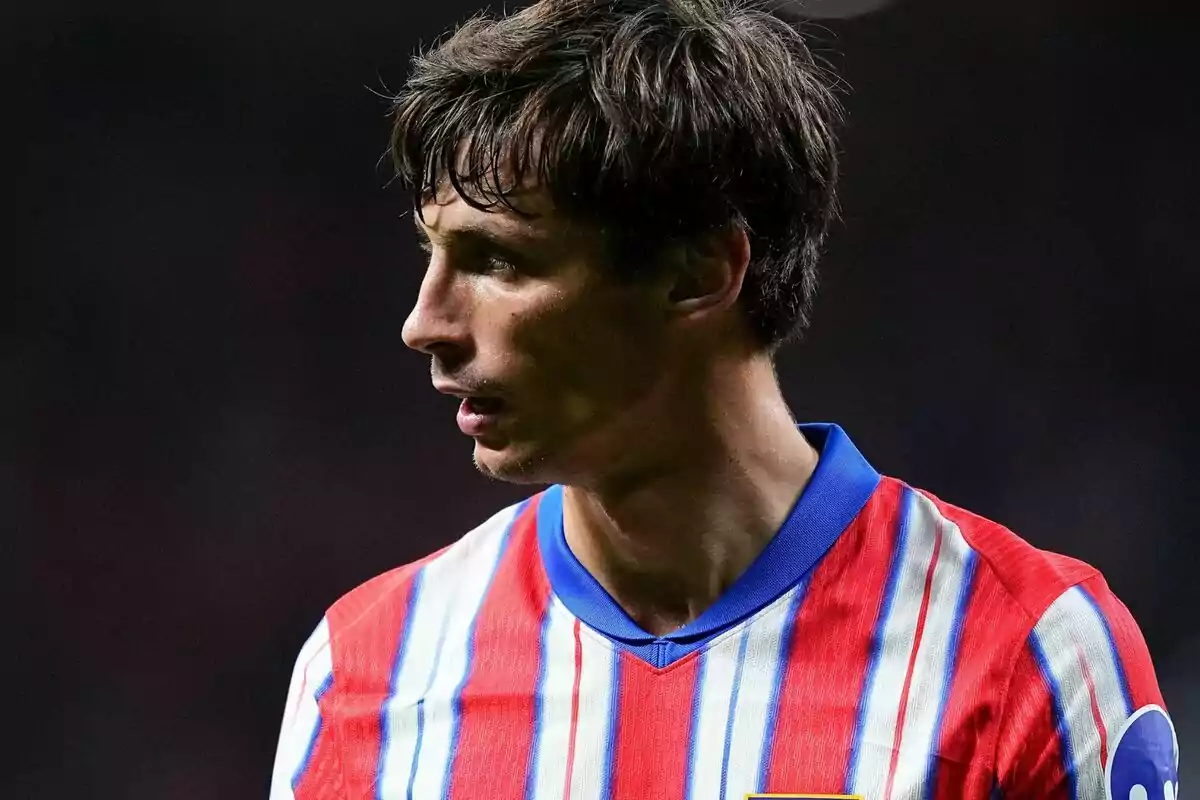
(709, 272)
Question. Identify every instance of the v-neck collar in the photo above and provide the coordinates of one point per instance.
(838, 489)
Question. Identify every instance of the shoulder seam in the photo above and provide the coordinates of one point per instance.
(986, 558)
(409, 571)
(403, 574)
(1031, 618)
(1012, 666)
(394, 578)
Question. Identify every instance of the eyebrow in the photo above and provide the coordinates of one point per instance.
(482, 233)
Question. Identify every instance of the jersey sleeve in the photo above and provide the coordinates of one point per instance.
(1084, 718)
(307, 765)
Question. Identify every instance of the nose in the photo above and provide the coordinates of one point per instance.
(438, 322)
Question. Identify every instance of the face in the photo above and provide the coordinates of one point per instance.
(558, 363)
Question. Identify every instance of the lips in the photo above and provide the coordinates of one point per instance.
(479, 415)
(476, 404)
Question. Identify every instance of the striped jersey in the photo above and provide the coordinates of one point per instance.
(884, 645)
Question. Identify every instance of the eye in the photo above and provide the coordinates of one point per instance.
(500, 265)
(476, 260)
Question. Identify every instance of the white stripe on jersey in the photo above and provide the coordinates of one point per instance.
(591, 774)
(714, 685)
(741, 737)
(923, 527)
(553, 733)
(1074, 648)
(417, 733)
(896, 632)
(932, 670)
(302, 716)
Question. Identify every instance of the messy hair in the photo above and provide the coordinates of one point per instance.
(657, 121)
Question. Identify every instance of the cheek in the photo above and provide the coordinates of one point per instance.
(596, 365)
(578, 355)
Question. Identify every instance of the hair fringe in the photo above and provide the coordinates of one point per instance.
(657, 120)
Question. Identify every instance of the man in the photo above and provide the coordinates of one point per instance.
(623, 203)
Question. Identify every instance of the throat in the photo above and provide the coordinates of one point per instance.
(666, 550)
(663, 590)
(659, 620)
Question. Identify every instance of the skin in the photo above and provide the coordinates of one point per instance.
(649, 401)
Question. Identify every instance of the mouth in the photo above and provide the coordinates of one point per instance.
(482, 405)
(479, 415)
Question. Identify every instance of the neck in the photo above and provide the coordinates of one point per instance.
(666, 540)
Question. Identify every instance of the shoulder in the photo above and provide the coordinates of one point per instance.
(1033, 598)
(1059, 612)
(1068, 655)
(374, 611)
(1032, 578)
(1080, 703)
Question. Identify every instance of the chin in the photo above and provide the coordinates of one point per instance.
(512, 463)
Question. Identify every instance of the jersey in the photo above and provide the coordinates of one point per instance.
(884, 645)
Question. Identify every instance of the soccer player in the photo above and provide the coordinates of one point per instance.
(623, 203)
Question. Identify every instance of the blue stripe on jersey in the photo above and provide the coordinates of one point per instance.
(1060, 714)
(401, 651)
(737, 682)
(312, 740)
(1118, 665)
(785, 650)
(535, 752)
(960, 612)
(885, 611)
(694, 725)
(456, 696)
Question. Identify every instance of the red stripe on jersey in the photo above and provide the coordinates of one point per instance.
(498, 710)
(1130, 645)
(322, 778)
(1029, 753)
(829, 653)
(650, 757)
(576, 683)
(365, 628)
(991, 623)
(922, 614)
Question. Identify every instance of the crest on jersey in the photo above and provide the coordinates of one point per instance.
(1143, 762)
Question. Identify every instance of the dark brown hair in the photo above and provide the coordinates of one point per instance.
(655, 120)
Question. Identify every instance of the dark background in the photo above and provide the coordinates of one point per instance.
(217, 430)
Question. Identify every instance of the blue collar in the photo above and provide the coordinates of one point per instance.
(838, 490)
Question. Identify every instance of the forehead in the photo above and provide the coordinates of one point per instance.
(532, 210)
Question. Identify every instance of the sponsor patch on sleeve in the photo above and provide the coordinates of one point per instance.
(1143, 761)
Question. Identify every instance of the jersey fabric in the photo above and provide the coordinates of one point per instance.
(884, 645)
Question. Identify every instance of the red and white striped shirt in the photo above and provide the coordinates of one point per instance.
(884, 645)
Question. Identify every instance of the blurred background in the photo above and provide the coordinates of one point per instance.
(216, 429)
